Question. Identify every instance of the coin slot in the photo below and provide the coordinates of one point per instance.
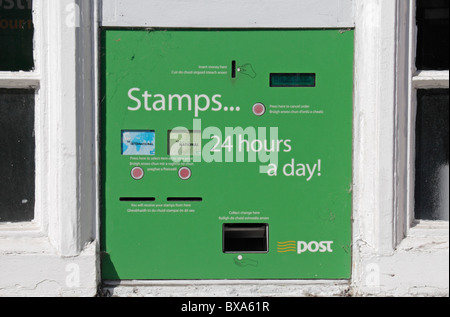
(233, 69)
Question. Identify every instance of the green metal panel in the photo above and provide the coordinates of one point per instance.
(208, 82)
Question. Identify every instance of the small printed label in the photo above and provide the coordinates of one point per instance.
(184, 143)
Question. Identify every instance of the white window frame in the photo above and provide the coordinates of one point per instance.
(58, 250)
(63, 76)
(419, 79)
(26, 80)
(392, 253)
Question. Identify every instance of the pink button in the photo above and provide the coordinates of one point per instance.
(184, 173)
(259, 109)
(137, 173)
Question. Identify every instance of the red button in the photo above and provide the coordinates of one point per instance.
(259, 109)
(184, 173)
(137, 173)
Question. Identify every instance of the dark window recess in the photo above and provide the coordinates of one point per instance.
(433, 34)
(245, 238)
(17, 155)
(432, 155)
(16, 35)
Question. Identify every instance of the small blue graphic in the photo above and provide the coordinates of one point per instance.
(138, 142)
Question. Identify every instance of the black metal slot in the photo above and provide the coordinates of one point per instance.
(184, 199)
(233, 69)
(137, 198)
(245, 238)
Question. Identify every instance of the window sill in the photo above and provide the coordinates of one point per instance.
(20, 238)
(19, 230)
(426, 237)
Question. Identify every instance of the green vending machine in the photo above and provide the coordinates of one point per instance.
(226, 154)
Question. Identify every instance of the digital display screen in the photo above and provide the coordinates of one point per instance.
(292, 80)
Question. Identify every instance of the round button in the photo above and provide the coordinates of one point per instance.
(259, 109)
(137, 173)
(184, 173)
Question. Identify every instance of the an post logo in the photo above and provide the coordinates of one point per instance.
(303, 247)
(288, 246)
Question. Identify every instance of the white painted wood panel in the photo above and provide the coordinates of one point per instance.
(228, 13)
